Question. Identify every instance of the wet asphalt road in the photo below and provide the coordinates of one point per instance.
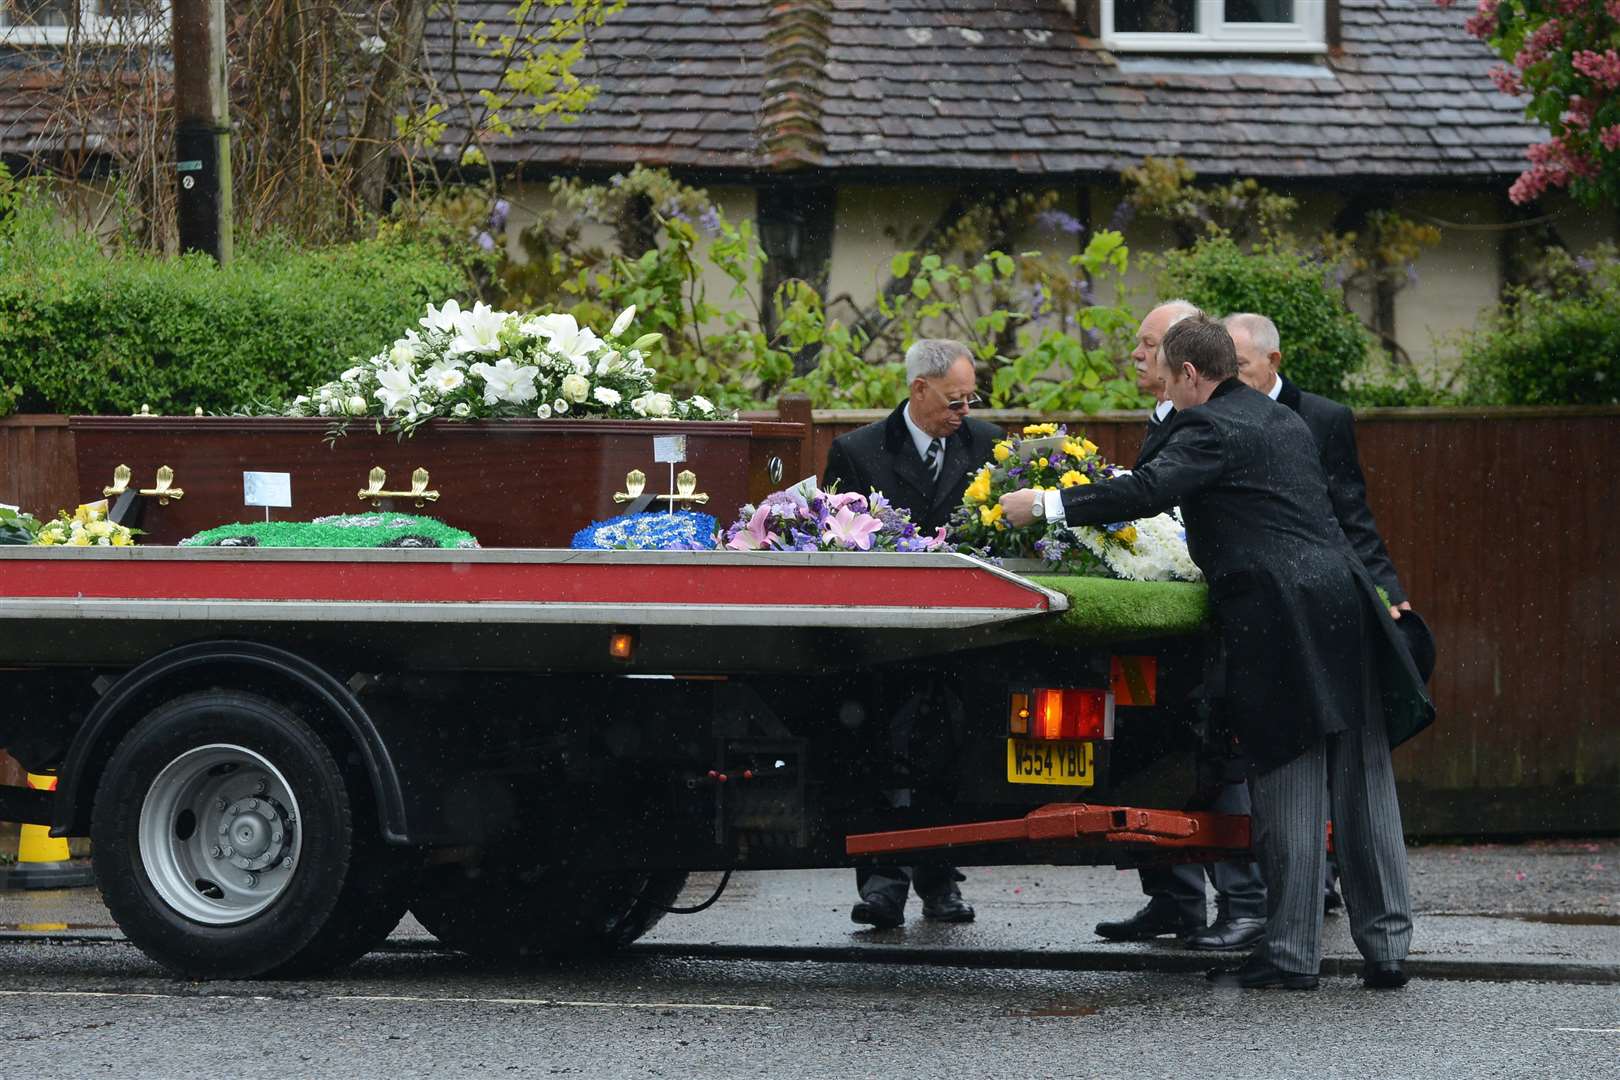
(1529, 935)
(101, 1009)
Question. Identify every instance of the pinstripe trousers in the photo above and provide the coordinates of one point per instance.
(1352, 774)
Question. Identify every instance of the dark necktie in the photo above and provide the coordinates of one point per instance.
(935, 458)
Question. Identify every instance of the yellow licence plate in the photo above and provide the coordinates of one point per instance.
(1049, 761)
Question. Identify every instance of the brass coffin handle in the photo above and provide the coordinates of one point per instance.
(164, 487)
(373, 491)
(635, 482)
(121, 477)
(685, 490)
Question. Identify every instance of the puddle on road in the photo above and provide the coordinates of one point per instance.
(1550, 918)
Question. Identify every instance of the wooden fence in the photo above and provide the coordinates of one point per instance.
(1505, 526)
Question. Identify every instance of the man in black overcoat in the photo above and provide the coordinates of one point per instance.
(922, 457)
(1317, 686)
(1176, 897)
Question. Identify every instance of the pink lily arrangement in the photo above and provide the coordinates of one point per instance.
(805, 518)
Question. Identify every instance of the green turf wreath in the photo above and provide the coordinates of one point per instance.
(374, 530)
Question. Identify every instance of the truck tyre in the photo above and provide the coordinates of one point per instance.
(543, 914)
(230, 843)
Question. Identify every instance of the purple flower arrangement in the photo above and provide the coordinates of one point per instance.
(805, 518)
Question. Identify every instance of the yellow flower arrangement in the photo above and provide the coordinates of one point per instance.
(1040, 457)
(87, 526)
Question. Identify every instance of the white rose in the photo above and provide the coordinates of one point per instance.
(401, 354)
(702, 403)
(461, 409)
(543, 412)
(576, 387)
(559, 406)
(324, 409)
(658, 405)
(356, 405)
(352, 375)
(607, 396)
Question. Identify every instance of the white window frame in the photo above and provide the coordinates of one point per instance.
(93, 28)
(1306, 34)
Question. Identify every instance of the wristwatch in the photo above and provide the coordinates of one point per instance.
(1038, 507)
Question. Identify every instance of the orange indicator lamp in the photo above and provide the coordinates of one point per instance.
(622, 645)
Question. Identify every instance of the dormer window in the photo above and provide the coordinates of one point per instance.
(52, 22)
(1215, 26)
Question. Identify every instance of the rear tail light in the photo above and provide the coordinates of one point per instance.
(1064, 714)
(1018, 714)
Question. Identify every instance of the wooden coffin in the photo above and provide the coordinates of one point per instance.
(511, 483)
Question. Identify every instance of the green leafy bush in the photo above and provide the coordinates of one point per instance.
(1553, 341)
(1322, 340)
(84, 331)
(1031, 320)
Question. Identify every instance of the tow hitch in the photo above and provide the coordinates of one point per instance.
(1162, 835)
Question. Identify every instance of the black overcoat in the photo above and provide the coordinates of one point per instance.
(1307, 645)
(882, 457)
(1334, 428)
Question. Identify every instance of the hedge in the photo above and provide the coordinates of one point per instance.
(82, 331)
(1554, 343)
(1322, 339)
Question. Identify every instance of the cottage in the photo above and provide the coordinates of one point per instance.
(841, 125)
(850, 128)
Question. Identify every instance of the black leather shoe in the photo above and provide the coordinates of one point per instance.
(1228, 934)
(1384, 974)
(1331, 902)
(1150, 922)
(1261, 975)
(947, 906)
(879, 911)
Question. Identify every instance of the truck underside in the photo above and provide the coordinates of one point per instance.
(243, 756)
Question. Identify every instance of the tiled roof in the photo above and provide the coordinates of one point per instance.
(1013, 86)
(682, 82)
(997, 87)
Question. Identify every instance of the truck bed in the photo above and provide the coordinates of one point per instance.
(516, 609)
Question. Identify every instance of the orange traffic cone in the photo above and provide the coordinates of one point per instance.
(43, 861)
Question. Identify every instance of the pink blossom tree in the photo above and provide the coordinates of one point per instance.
(1563, 57)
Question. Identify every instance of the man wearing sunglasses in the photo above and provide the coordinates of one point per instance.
(921, 457)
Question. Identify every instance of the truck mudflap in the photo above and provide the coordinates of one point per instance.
(1139, 834)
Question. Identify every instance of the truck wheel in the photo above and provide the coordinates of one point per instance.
(541, 913)
(229, 843)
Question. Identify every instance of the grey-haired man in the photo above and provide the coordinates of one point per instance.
(921, 457)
